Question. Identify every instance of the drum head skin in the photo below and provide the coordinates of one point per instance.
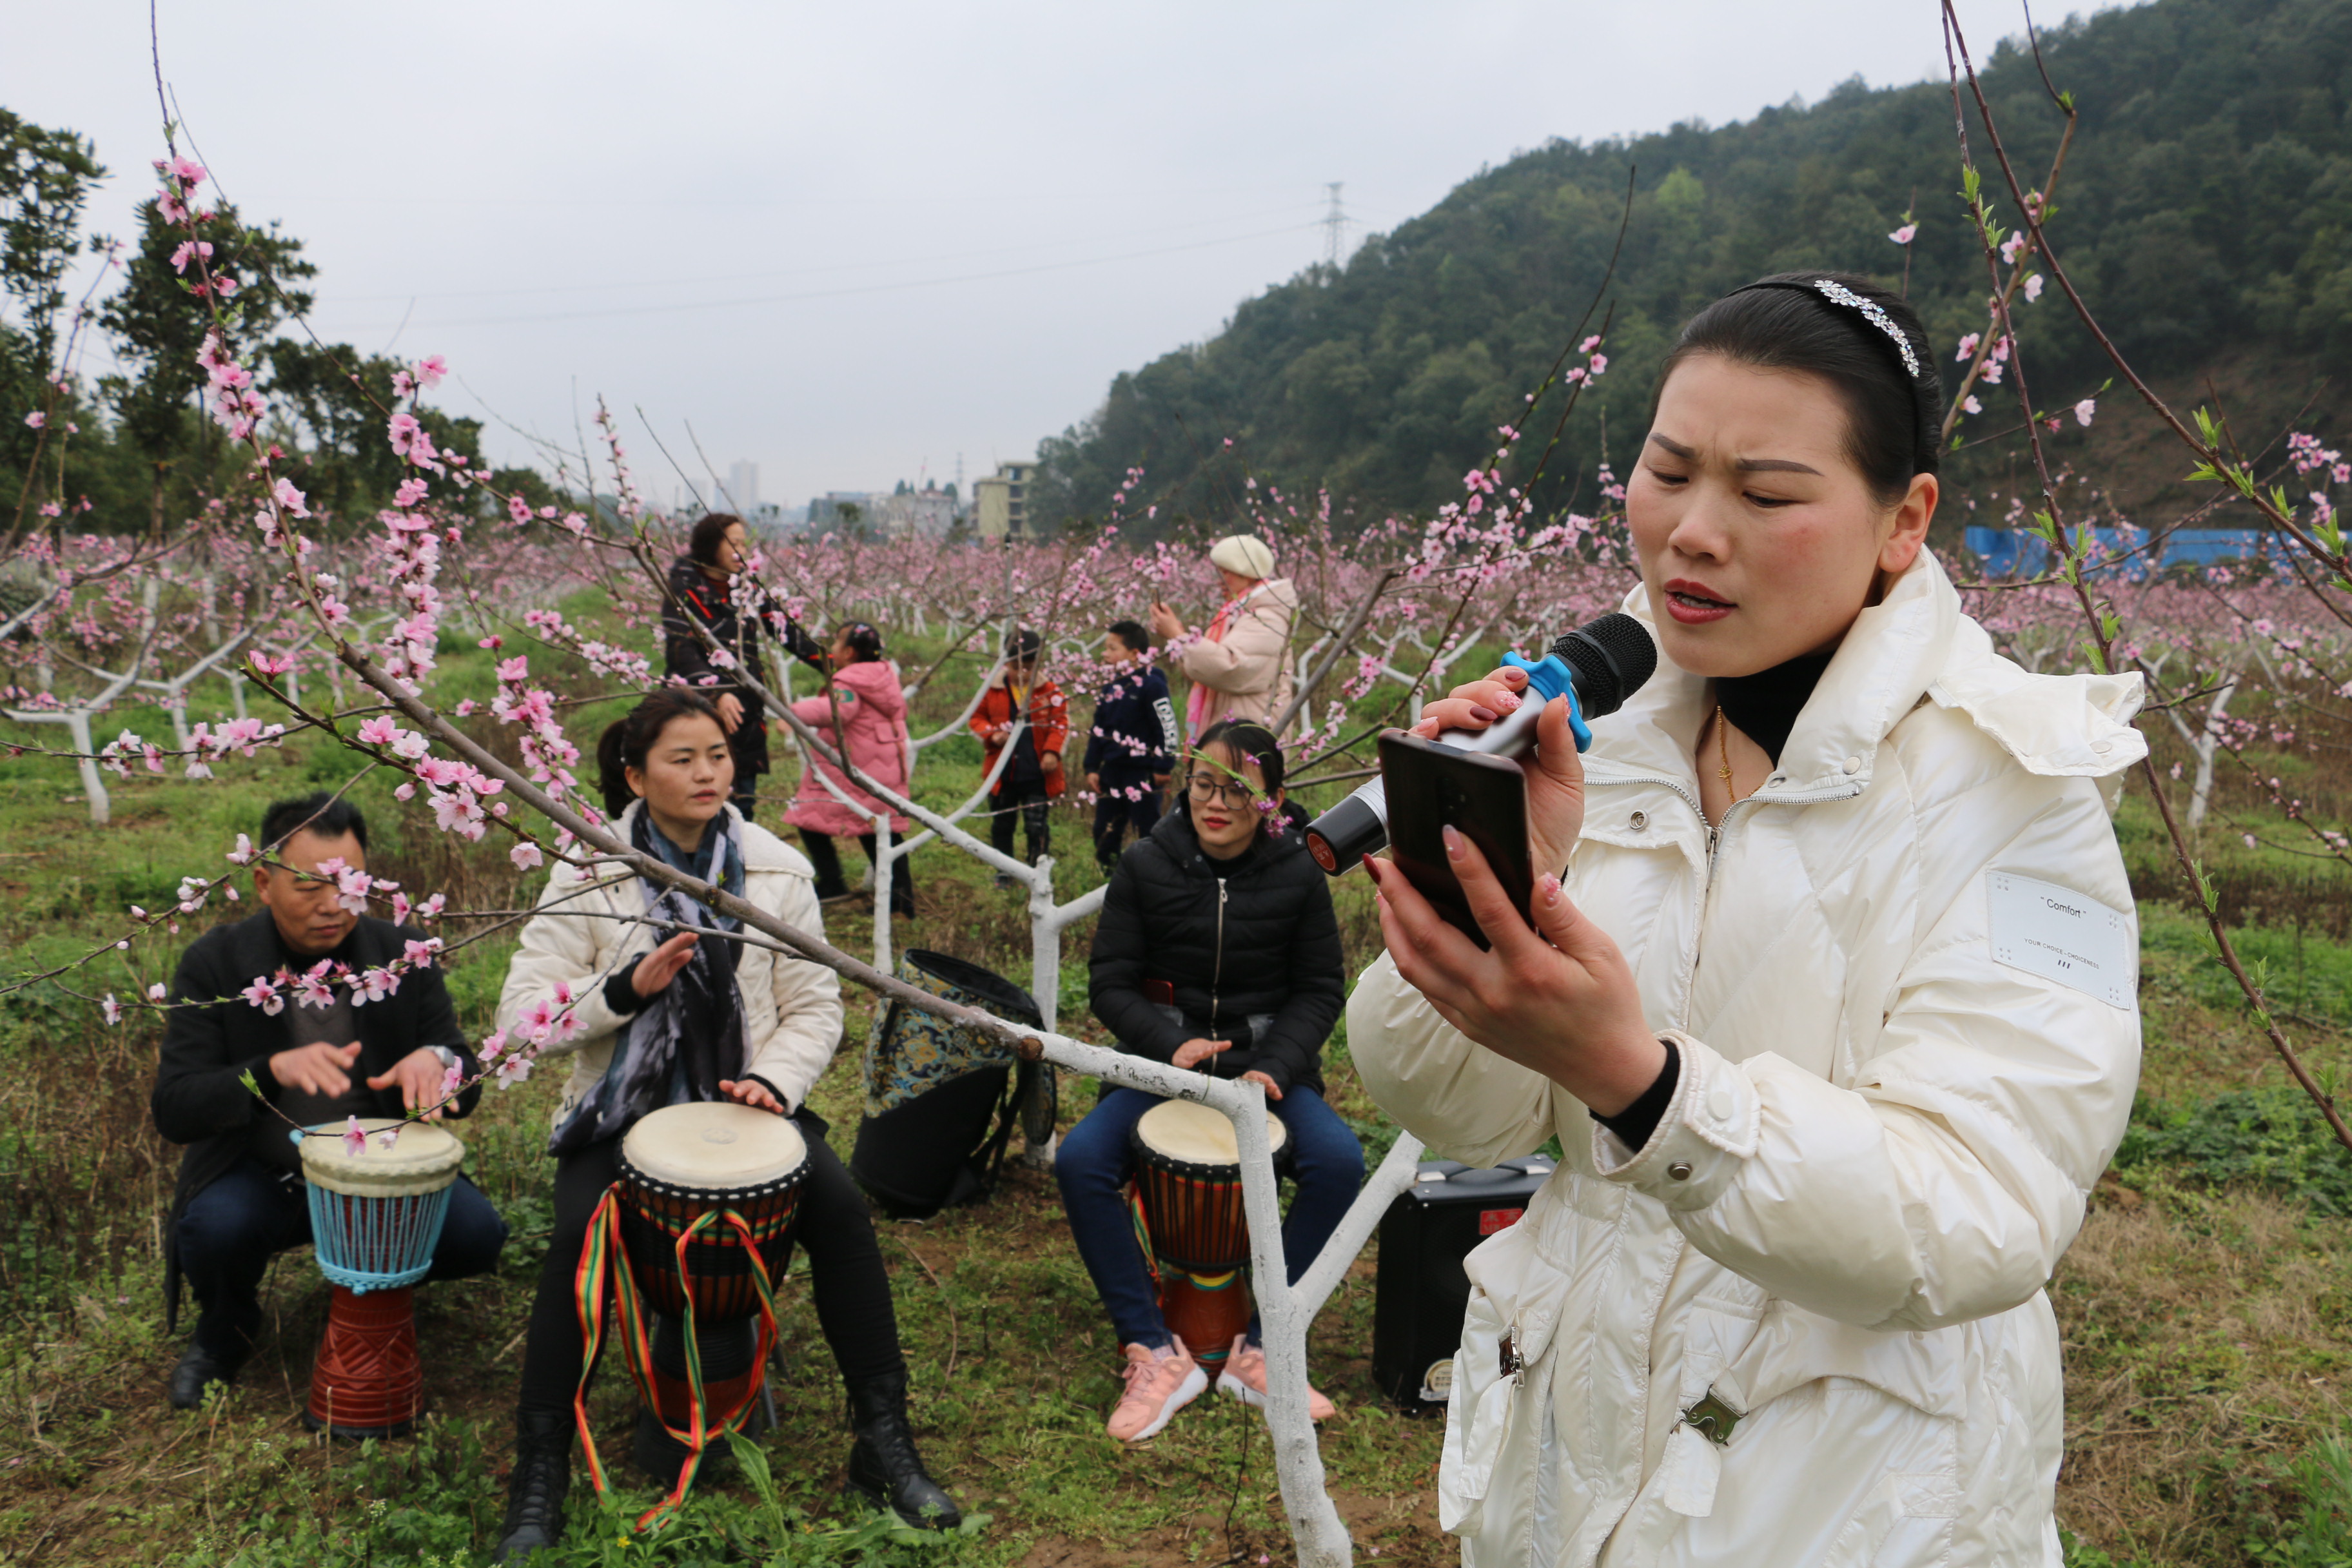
(714, 1146)
(423, 1159)
(1190, 1132)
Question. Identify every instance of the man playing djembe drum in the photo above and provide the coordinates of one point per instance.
(239, 1200)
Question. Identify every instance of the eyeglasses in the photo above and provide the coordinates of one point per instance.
(1206, 787)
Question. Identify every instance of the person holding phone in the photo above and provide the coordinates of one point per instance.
(1827, 987)
(1239, 665)
(1217, 952)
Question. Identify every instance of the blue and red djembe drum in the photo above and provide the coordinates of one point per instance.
(376, 1214)
(1188, 1203)
(688, 1245)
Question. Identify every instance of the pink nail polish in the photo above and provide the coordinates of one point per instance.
(1485, 715)
(1452, 843)
(1550, 887)
(1508, 701)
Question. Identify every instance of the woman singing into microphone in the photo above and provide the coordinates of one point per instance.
(1831, 1005)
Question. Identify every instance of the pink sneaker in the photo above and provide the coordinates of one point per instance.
(1244, 1379)
(1159, 1382)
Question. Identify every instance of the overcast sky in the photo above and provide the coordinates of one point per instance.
(855, 243)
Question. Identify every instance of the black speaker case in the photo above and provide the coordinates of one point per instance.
(1422, 1290)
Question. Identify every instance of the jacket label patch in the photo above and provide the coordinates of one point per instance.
(2062, 935)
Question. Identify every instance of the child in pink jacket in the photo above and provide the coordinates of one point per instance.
(873, 718)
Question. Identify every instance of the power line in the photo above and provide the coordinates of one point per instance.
(775, 274)
(837, 293)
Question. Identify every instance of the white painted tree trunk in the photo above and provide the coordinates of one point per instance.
(2204, 745)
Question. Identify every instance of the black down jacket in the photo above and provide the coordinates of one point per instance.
(200, 1099)
(1229, 939)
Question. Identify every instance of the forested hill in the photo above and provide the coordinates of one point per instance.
(2205, 209)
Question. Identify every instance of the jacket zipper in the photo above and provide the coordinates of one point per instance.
(1217, 971)
(1714, 838)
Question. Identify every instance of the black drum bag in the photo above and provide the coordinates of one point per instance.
(933, 1147)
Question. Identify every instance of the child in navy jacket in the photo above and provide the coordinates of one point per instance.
(1133, 745)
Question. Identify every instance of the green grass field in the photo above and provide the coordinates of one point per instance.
(2207, 1307)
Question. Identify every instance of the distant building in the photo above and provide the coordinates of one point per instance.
(744, 488)
(738, 493)
(927, 513)
(1000, 502)
(840, 512)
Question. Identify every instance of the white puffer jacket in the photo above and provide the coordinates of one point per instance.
(791, 1007)
(1902, 1071)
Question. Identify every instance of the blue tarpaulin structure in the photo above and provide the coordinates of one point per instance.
(2017, 552)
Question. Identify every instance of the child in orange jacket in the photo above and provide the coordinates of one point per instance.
(1033, 776)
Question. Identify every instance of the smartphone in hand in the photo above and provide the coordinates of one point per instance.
(1431, 785)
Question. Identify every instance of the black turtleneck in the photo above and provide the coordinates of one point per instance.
(1764, 706)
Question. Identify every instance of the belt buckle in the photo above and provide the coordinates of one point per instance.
(1712, 1418)
(1508, 1354)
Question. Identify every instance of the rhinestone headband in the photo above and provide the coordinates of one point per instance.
(1838, 293)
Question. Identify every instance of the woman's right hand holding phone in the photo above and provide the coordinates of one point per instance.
(1555, 773)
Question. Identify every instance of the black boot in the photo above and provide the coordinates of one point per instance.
(198, 1370)
(884, 1467)
(542, 1474)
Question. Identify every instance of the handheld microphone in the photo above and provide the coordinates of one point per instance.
(1595, 667)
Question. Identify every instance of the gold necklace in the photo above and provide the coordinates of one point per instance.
(1723, 752)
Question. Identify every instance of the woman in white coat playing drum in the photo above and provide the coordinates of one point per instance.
(686, 1019)
(1830, 1006)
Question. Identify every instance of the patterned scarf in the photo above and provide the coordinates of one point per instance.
(1196, 704)
(689, 1035)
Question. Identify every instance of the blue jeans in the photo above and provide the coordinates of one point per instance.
(1096, 1159)
(228, 1232)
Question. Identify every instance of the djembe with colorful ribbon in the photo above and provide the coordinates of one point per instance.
(687, 1245)
(1189, 1214)
(377, 1205)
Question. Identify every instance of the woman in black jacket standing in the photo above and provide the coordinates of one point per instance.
(1217, 952)
(702, 591)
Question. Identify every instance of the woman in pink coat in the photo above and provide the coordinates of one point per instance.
(873, 718)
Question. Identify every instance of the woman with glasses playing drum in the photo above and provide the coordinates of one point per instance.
(685, 1020)
(1217, 952)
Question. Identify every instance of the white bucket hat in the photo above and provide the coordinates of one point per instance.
(1244, 553)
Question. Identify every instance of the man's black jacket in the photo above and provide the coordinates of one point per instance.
(199, 1099)
(1232, 938)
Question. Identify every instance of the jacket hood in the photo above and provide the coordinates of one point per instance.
(876, 679)
(1916, 644)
